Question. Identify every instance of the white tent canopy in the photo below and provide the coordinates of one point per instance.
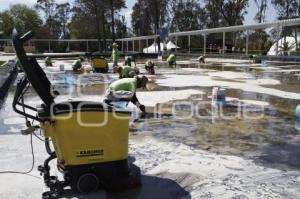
(154, 47)
(291, 43)
(171, 45)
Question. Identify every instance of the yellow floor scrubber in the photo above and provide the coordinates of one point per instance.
(99, 63)
(88, 139)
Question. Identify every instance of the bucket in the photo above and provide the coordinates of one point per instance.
(68, 79)
(297, 111)
(62, 67)
(264, 63)
(297, 125)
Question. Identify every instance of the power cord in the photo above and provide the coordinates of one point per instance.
(31, 142)
(39, 137)
(32, 166)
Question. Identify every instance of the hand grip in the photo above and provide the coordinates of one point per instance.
(27, 36)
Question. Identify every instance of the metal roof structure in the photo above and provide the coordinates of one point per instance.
(280, 23)
(125, 48)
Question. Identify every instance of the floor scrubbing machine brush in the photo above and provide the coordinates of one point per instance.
(90, 140)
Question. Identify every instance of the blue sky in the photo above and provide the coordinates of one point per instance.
(271, 13)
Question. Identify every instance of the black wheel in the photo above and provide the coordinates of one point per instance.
(87, 183)
(104, 70)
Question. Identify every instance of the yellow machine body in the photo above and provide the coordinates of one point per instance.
(88, 137)
(99, 63)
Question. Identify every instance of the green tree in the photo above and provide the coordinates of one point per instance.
(115, 6)
(140, 20)
(188, 15)
(121, 28)
(21, 17)
(62, 16)
(227, 12)
(259, 42)
(97, 17)
(261, 10)
(286, 9)
(151, 14)
(214, 18)
(48, 7)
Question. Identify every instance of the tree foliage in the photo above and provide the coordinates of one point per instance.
(62, 16)
(141, 22)
(285, 8)
(21, 17)
(188, 15)
(227, 12)
(149, 16)
(95, 19)
(261, 10)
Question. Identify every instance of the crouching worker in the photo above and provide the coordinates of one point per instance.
(128, 62)
(48, 61)
(201, 59)
(172, 60)
(126, 72)
(125, 90)
(77, 64)
(149, 66)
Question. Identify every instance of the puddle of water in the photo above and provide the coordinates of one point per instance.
(262, 139)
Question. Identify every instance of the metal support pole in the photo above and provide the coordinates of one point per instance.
(147, 46)
(277, 47)
(68, 46)
(133, 45)
(140, 49)
(204, 45)
(127, 46)
(189, 44)
(87, 46)
(247, 42)
(224, 42)
(49, 46)
(176, 43)
(279, 29)
(122, 46)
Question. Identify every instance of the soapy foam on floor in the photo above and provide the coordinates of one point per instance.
(219, 176)
(231, 75)
(255, 86)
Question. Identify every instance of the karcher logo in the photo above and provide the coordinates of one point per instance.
(90, 153)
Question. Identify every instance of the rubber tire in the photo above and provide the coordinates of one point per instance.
(87, 183)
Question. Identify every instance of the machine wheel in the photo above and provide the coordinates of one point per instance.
(105, 70)
(102, 70)
(87, 183)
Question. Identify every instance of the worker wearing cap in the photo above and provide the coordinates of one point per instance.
(125, 90)
(115, 55)
(172, 60)
(77, 64)
(48, 61)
